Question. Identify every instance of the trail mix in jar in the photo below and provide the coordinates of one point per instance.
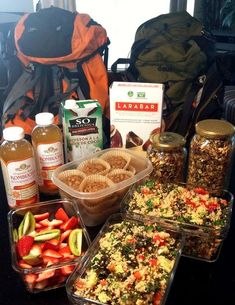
(167, 156)
(132, 266)
(210, 155)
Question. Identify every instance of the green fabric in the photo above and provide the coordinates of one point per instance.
(170, 55)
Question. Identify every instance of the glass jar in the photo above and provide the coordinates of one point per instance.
(168, 156)
(210, 155)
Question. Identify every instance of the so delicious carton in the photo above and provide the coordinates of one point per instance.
(135, 113)
(82, 127)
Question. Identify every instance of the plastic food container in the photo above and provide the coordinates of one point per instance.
(96, 207)
(41, 238)
(128, 262)
(169, 204)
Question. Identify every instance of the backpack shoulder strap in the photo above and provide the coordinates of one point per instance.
(25, 82)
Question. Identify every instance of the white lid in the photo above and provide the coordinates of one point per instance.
(44, 118)
(13, 133)
(69, 104)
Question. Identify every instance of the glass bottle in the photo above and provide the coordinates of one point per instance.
(168, 156)
(18, 167)
(210, 155)
(47, 142)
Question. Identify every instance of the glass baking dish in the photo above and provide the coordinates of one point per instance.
(202, 241)
(96, 207)
(128, 261)
(41, 240)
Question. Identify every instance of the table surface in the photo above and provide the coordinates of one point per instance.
(195, 282)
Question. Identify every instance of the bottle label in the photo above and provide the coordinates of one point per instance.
(20, 182)
(49, 157)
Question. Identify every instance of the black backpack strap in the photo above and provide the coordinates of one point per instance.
(186, 113)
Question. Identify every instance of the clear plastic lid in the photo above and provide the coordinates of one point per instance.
(44, 118)
(13, 133)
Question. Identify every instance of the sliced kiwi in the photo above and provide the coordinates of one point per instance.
(75, 241)
(27, 225)
(47, 235)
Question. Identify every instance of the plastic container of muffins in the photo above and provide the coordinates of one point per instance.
(204, 218)
(98, 183)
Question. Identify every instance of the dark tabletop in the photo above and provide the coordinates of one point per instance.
(195, 282)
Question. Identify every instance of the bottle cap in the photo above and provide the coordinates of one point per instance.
(69, 104)
(44, 118)
(213, 128)
(13, 133)
(167, 140)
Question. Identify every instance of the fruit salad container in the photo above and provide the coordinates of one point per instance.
(98, 183)
(47, 240)
(204, 217)
(129, 262)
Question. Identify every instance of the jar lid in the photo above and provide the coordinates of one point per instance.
(44, 118)
(167, 140)
(213, 128)
(13, 133)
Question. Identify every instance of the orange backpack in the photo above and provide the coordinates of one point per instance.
(62, 55)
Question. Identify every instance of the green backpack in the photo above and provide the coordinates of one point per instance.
(175, 50)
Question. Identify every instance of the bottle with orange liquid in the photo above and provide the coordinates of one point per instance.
(47, 142)
(18, 167)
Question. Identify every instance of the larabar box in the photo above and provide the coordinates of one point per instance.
(135, 113)
(82, 128)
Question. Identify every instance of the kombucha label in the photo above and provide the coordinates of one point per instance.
(49, 157)
(20, 182)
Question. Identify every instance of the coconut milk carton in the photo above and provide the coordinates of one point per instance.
(135, 114)
(82, 128)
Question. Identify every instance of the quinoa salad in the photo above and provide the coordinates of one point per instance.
(133, 265)
(179, 203)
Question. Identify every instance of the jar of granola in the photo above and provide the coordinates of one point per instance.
(210, 155)
(168, 155)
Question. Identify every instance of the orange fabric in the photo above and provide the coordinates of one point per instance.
(28, 124)
(97, 77)
(86, 40)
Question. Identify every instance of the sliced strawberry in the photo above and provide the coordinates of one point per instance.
(41, 285)
(65, 235)
(48, 260)
(30, 278)
(65, 251)
(45, 275)
(38, 225)
(52, 253)
(66, 270)
(53, 244)
(61, 215)
(45, 222)
(56, 222)
(24, 265)
(70, 224)
(68, 258)
(62, 245)
(42, 216)
(52, 224)
(36, 250)
(24, 245)
(43, 228)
